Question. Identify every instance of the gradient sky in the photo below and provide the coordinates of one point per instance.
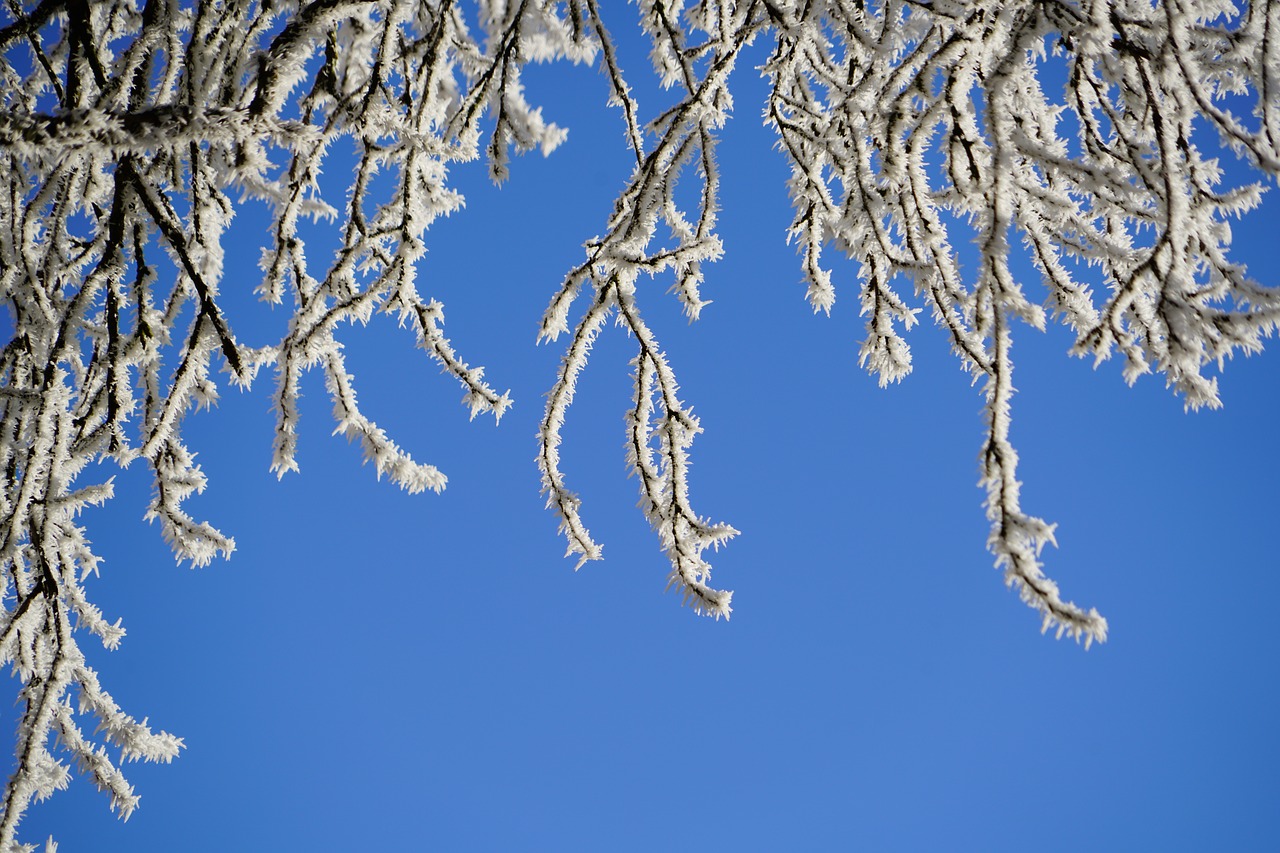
(373, 670)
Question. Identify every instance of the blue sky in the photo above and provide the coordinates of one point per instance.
(373, 670)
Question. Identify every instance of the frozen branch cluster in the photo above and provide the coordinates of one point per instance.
(129, 134)
(1075, 129)
(938, 144)
(913, 129)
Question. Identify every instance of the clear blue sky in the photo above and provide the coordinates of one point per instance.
(373, 670)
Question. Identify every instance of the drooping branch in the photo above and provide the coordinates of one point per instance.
(685, 133)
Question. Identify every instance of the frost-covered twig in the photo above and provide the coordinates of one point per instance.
(686, 133)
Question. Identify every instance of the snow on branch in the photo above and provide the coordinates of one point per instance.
(126, 129)
(914, 130)
(1075, 128)
(684, 134)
